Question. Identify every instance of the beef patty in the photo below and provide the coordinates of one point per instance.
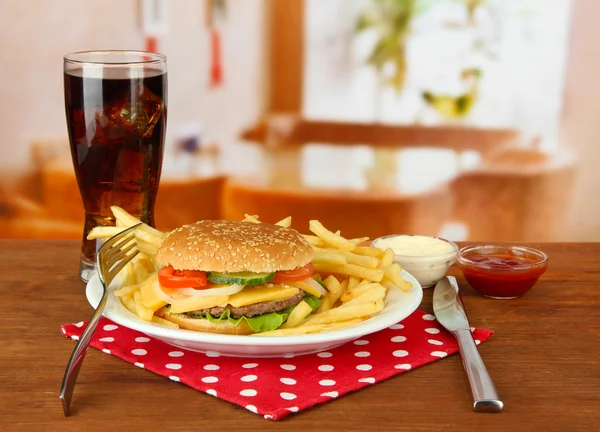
(253, 309)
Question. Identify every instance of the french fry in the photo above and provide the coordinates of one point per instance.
(126, 291)
(332, 284)
(327, 256)
(361, 260)
(359, 240)
(140, 272)
(128, 275)
(128, 302)
(392, 274)
(330, 238)
(147, 262)
(287, 222)
(353, 281)
(374, 294)
(143, 235)
(336, 290)
(368, 251)
(164, 322)
(147, 248)
(314, 328)
(315, 241)
(128, 220)
(251, 218)
(387, 259)
(142, 311)
(347, 312)
(300, 312)
(103, 232)
(357, 291)
(373, 275)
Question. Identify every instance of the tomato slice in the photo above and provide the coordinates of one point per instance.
(298, 274)
(171, 278)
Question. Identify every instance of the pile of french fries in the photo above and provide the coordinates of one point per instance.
(357, 278)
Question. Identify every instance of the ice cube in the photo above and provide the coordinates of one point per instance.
(142, 113)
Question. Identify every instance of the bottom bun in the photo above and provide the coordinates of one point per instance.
(204, 325)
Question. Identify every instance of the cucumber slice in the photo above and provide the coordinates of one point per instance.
(240, 278)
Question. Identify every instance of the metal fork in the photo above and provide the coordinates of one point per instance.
(112, 257)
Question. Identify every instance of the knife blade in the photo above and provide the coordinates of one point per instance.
(450, 312)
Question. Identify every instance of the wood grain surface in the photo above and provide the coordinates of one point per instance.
(543, 357)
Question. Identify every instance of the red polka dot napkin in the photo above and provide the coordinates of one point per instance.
(276, 387)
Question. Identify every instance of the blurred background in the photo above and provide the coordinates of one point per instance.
(469, 119)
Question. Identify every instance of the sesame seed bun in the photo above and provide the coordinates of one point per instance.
(204, 325)
(230, 246)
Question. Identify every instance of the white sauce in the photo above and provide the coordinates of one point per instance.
(415, 245)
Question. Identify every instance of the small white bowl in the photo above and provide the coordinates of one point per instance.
(428, 270)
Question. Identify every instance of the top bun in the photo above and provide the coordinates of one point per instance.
(229, 246)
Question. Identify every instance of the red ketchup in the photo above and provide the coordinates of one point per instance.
(502, 272)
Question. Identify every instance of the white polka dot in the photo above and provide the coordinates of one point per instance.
(440, 354)
(174, 378)
(249, 365)
(249, 378)
(292, 409)
(432, 330)
(361, 342)
(248, 392)
(211, 367)
(362, 354)
(396, 327)
(400, 353)
(289, 355)
(110, 327)
(287, 396)
(288, 381)
(472, 329)
(176, 354)
(477, 341)
(428, 317)
(142, 339)
(267, 416)
(80, 324)
(107, 339)
(173, 366)
(288, 367)
(252, 408)
(398, 339)
(210, 379)
(325, 368)
(140, 365)
(435, 342)
(213, 354)
(211, 392)
(364, 367)
(367, 380)
(324, 354)
(404, 366)
(332, 394)
(75, 337)
(327, 383)
(107, 351)
(63, 330)
(139, 352)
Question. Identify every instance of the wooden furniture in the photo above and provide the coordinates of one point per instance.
(516, 195)
(543, 358)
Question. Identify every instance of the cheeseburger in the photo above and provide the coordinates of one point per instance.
(235, 277)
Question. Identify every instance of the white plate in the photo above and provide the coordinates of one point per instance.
(399, 305)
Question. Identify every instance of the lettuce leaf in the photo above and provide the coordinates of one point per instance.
(265, 322)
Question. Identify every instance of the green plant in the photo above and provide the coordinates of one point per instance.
(391, 20)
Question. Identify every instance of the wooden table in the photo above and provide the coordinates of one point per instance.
(544, 358)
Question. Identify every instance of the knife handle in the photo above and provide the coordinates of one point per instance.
(485, 396)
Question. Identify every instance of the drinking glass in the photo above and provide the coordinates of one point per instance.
(116, 107)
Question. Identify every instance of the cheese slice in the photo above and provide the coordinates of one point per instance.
(195, 303)
(262, 293)
(151, 297)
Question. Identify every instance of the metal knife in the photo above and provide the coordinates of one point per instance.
(450, 312)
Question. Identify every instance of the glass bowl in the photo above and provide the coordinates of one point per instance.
(501, 271)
